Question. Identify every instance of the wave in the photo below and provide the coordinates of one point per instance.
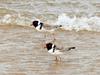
(77, 24)
(16, 19)
(68, 23)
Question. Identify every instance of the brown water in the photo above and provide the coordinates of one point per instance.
(22, 12)
(21, 52)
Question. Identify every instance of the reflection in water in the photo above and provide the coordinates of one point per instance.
(55, 67)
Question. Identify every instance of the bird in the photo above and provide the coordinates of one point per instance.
(39, 26)
(52, 49)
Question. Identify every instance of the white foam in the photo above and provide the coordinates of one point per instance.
(68, 23)
(15, 19)
(83, 23)
(6, 19)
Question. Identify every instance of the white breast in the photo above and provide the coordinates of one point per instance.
(38, 28)
(55, 52)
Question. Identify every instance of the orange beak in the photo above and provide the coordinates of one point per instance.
(44, 46)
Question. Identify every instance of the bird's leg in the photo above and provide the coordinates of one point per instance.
(56, 58)
(59, 58)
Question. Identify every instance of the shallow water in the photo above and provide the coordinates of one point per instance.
(21, 52)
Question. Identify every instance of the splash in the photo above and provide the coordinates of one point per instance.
(82, 23)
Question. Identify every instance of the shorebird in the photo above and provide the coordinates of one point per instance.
(39, 26)
(52, 49)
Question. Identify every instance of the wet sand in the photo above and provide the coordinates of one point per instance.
(21, 52)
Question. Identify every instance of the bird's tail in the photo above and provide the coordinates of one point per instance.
(70, 48)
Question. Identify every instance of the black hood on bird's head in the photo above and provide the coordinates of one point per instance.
(50, 46)
(35, 23)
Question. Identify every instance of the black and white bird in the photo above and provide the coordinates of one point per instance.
(40, 26)
(52, 49)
